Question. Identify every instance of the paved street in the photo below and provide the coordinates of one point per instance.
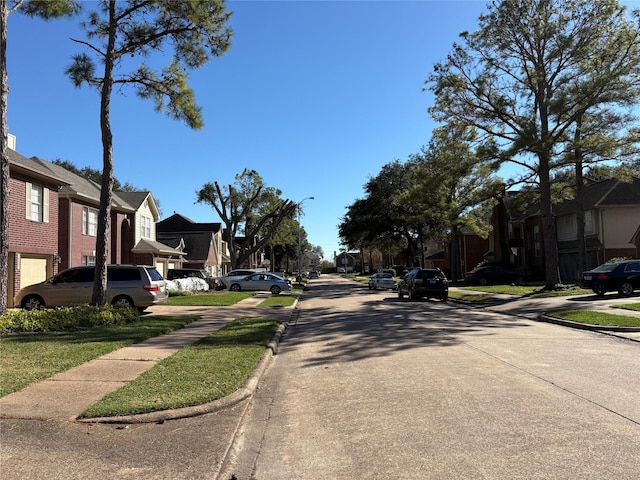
(366, 386)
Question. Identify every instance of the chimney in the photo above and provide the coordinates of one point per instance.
(11, 141)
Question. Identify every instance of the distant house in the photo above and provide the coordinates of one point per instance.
(350, 261)
(202, 243)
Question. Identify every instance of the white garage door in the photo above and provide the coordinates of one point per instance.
(32, 270)
(160, 268)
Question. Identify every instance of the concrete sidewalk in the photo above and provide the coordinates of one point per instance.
(67, 394)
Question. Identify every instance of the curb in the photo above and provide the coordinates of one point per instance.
(245, 391)
(587, 326)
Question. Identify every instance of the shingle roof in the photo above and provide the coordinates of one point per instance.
(180, 223)
(196, 244)
(34, 167)
(146, 245)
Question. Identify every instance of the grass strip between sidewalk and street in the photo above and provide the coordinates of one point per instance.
(207, 370)
(26, 358)
(222, 299)
(595, 318)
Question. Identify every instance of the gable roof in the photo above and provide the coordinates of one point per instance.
(179, 223)
(146, 245)
(34, 168)
(610, 192)
(196, 244)
(136, 199)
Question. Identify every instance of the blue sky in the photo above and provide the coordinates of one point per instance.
(316, 96)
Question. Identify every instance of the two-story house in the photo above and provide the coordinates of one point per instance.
(33, 219)
(202, 243)
(53, 222)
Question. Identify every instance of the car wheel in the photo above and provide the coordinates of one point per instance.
(444, 299)
(122, 301)
(275, 289)
(484, 282)
(412, 295)
(234, 287)
(32, 302)
(625, 289)
(599, 291)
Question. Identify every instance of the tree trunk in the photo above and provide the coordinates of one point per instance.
(99, 294)
(454, 254)
(4, 153)
(582, 246)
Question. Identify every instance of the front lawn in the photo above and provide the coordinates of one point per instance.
(223, 299)
(595, 318)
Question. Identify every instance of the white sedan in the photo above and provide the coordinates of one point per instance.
(259, 282)
(382, 280)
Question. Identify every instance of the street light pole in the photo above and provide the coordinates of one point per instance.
(299, 276)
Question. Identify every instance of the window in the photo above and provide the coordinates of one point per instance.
(37, 203)
(145, 227)
(89, 221)
(89, 260)
(588, 222)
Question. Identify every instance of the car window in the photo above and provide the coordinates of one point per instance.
(384, 275)
(154, 274)
(632, 267)
(123, 274)
(76, 275)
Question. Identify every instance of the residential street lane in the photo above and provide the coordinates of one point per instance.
(366, 386)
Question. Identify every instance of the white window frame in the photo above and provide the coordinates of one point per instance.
(145, 226)
(88, 260)
(89, 221)
(37, 203)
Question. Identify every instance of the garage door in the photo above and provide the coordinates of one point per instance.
(32, 270)
(160, 268)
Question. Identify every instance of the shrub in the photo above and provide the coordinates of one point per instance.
(65, 318)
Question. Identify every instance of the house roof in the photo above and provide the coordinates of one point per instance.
(180, 223)
(33, 167)
(151, 246)
(137, 199)
(196, 244)
(609, 192)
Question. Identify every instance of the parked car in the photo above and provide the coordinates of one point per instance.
(236, 275)
(623, 276)
(424, 282)
(491, 275)
(136, 286)
(382, 280)
(314, 274)
(260, 281)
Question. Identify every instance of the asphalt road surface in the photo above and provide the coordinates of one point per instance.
(369, 387)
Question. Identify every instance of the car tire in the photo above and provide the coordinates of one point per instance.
(234, 287)
(122, 301)
(275, 289)
(444, 299)
(412, 295)
(626, 289)
(599, 291)
(32, 302)
(483, 281)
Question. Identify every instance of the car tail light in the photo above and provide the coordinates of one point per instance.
(418, 281)
(151, 288)
(602, 276)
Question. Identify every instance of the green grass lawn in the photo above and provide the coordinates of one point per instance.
(211, 368)
(26, 358)
(279, 301)
(221, 299)
(595, 318)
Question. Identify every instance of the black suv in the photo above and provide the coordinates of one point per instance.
(424, 282)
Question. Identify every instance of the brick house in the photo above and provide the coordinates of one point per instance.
(53, 219)
(34, 255)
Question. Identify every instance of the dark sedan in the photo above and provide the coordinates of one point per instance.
(623, 276)
(492, 274)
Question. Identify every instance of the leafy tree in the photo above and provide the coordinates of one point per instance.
(524, 78)
(460, 185)
(45, 9)
(119, 31)
(247, 207)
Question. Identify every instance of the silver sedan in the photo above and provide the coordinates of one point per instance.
(260, 282)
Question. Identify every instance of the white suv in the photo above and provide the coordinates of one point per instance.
(136, 286)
